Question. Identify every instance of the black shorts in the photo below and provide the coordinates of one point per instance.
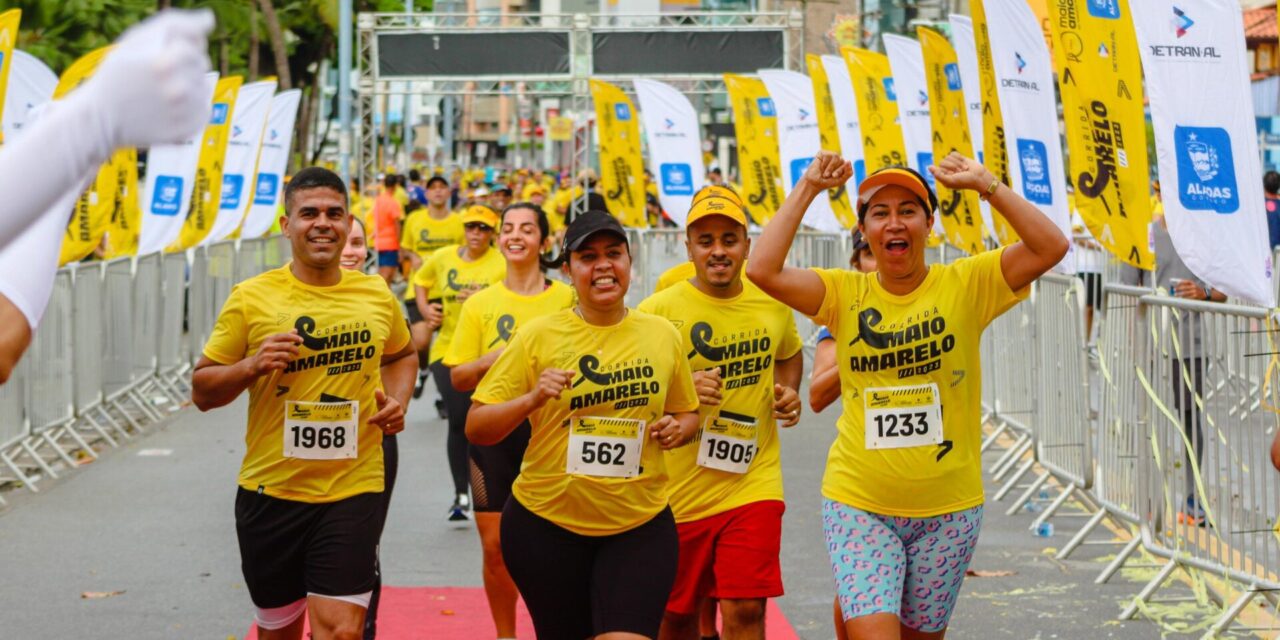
(289, 549)
(411, 312)
(495, 467)
(1092, 288)
(580, 586)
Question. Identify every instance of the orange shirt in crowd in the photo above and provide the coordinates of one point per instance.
(386, 213)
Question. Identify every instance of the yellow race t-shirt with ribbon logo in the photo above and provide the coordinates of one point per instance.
(736, 459)
(446, 274)
(591, 466)
(490, 318)
(425, 235)
(910, 429)
(309, 437)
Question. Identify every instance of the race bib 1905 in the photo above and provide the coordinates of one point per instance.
(728, 442)
(897, 417)
(321, 430)
(606, 447)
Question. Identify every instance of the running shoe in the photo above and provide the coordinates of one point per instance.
(440, 409)
(1192, 515)
(422, 384)
(458, 511)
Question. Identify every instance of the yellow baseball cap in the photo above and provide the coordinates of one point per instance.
(481, 214)
(897, 176)
(727, 205)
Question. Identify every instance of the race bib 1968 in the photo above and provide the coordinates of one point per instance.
(605, 447)
(728, 442)
(898, 417)
(321, 430)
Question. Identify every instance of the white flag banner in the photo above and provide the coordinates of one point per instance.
(967, 59)
(166, 194)
(248, 121)
(1024, 81)
(675, 145)
(846, 108)
(1193, 56)
(907, 63)
(273, 159)
(798, 139)
(31, 84)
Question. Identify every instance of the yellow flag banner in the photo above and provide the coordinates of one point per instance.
(755, 123)
(961, 217)
(621, 165)
(9, 21)
(829, 135)
(207, 194)
(1100, 78)
(996, 154)
(126, 218)
(93, 209)
(877, 108)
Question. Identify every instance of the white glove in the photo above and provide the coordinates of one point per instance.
(150, 88)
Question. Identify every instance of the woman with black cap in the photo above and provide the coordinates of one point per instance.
(903, 485)
(587, 534)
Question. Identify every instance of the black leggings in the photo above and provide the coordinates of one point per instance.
(456, 405)
(494, 469)
(390, 463)
(578, 586)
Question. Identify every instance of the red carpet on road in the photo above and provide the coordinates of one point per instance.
(458, 613)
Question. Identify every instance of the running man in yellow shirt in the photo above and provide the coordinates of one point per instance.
(903, 485)
(587, 534)
(451, 275)
(325, 355)
(726, 492)
(423, 234)
(489, 320)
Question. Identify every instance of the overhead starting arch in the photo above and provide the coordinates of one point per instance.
(554, 55)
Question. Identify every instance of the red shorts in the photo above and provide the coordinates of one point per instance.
(731, 555)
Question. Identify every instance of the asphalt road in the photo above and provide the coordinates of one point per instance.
(158, 529)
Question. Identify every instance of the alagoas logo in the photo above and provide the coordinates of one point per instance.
(741, 357)
(625, 384)
(1206, 169)
(343, 347)
(914, 345)
(1034, 159)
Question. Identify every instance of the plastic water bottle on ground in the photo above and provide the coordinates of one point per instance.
(1044, 530)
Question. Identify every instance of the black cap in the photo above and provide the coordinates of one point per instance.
(587, 225)
(434, 179)
(502, 188)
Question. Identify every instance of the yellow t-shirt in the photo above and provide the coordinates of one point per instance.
(928, 336)
(346, 329)
(423, 235)
(444, 275)
(744, 336)
(489, 318)
(679, 273)
(633, 370)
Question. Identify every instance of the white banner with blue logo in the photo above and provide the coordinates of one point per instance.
(166, 194)
(907, 62)
(846, 107)
(249, 120)
(967, 59)
(1024, 81)
(1193, 56)
(31, 84)
(675, 145)
(798, 139)
(273, 159)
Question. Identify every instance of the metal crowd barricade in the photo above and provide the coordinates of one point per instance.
(1012, 337)
(1212, 494)
(120, 380)
(199, 299)
(14, 428)
(250, 259)
(148, 309)
(87, 337)
(1063, 440)
(171, 357)
(222, 276)
(49, 401)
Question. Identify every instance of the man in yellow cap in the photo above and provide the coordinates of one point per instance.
(726, 492)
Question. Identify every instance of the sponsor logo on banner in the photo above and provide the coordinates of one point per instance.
(1019, 62)
(797, 169)
(922, 97)
(804, 115)
(1109, 9)
(232, 186)
(952, 71)
(1206, 170)
(889, 91)
(268, 186)
(623, 111)
(677, 179)
(219, 115)
(168, 196)
(765, 105)
(1181, 22)
(1034, 160)
(923, 160)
